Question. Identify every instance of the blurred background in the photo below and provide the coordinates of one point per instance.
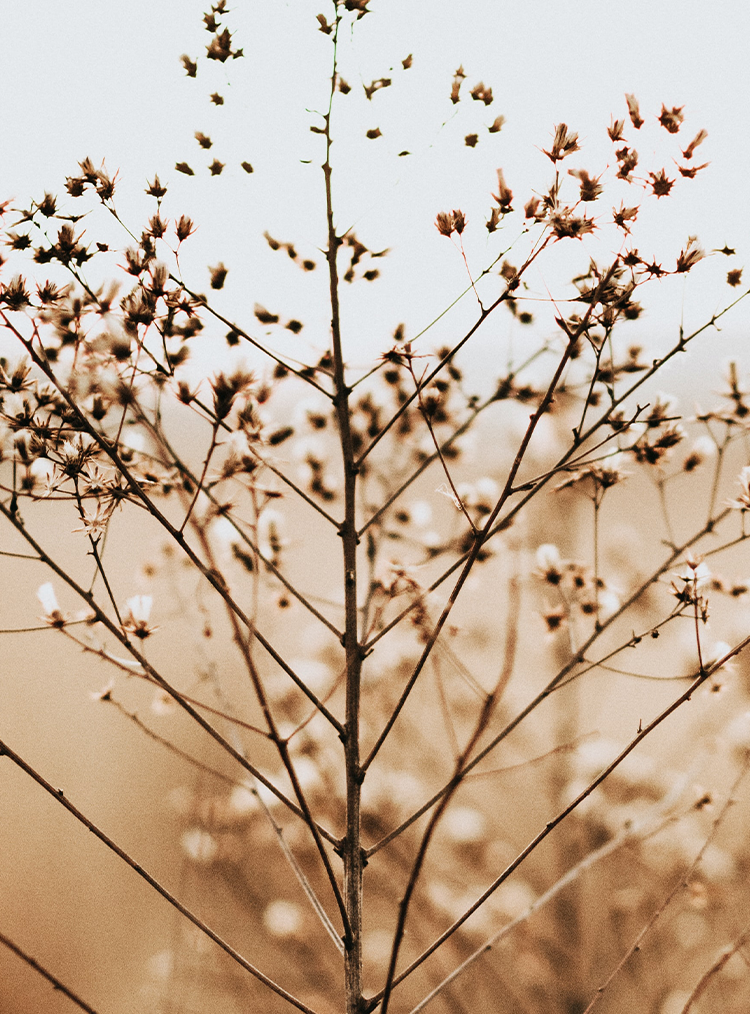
(79, 81)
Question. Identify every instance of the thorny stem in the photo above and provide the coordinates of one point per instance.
(351, 847)
(59, 795)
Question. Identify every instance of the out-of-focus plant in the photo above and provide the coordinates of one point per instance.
(436, 597)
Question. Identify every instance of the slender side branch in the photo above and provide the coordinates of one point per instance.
(57, 985)
(631, 833)
(214, 580)
(680, 885)
(102, 617)
(699, 679)
(58, 794)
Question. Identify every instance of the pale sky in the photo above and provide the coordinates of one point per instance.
(85, 78)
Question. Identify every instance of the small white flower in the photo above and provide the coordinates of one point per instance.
(742, 502)
(547, 556)
(136, 619)
(52, 613)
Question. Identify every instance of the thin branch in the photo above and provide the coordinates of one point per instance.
(155, 675)
(59, 795)
(213, 579)
(58, 986)
(483, 720)
(631, 833)
(699, 679)
(717, 966)
(681, 885)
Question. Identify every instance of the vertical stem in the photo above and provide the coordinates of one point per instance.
(351, 848)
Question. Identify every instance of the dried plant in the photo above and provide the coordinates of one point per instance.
(407, 631)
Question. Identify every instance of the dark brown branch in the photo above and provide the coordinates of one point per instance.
(58, 795)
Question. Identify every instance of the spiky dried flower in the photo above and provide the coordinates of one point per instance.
(481, 93)
(734, 277)
(615, 129)
(191, 67)
(591, 188)
(699, 138)
(690, 255)
(634, 112)
(458, 78)
(671, 119)
(660, 184)
(563, 143)
(504, 195)
(449, 222)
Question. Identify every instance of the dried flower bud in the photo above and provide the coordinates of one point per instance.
(184, 228)
(671, 119)
(692, 253)
(444, 223)
(155, 189)
(591, 188)
(699, 138)
(504, 195)
(191, 67)
(615, 130)
(660, 184)
(634, 112)
(480, 93)
(218, 276)
(563, 143)
(734, 278)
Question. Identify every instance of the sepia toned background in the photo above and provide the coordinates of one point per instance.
(85, 79)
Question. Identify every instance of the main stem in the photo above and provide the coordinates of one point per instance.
(351, 847)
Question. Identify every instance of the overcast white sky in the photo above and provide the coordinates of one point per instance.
(84, 78)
